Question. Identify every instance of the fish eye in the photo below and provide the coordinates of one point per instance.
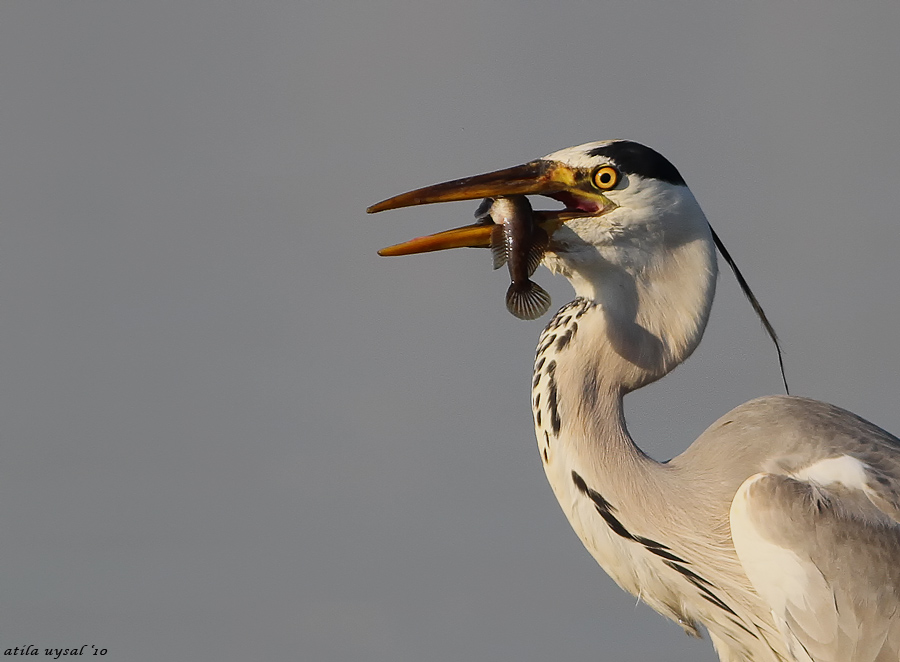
(605, 177)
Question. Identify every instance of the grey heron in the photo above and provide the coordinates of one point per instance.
(778, 529)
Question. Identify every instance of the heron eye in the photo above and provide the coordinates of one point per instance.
(606, 177)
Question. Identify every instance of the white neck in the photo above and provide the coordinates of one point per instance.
(642, 307)
(653, 294)
(629, 327)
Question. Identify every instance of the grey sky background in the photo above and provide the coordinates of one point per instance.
(230, 431)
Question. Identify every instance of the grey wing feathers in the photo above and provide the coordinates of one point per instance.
(823, 550)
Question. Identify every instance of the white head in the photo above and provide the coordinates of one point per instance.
(634, 213)
(643, 251)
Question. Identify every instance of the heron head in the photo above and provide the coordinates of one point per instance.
(624, 205)
(630, 235)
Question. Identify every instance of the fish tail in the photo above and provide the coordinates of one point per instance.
(527, 300)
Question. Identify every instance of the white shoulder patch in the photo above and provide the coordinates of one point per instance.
(845, 470)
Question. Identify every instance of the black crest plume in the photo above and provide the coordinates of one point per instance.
(753, 302)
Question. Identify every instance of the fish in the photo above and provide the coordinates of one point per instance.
(518, 242)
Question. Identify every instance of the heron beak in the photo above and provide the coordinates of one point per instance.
(535, 178)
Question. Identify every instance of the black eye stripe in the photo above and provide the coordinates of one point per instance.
(635, 159)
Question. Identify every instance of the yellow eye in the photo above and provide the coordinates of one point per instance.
(606, 177)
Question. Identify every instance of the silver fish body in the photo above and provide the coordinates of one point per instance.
(519, 243)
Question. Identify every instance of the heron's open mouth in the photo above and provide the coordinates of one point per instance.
(574, 204)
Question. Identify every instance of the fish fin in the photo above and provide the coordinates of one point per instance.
(483, 213)
(539, 243)
(535, 254)
(499, 247)
(528, 301)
